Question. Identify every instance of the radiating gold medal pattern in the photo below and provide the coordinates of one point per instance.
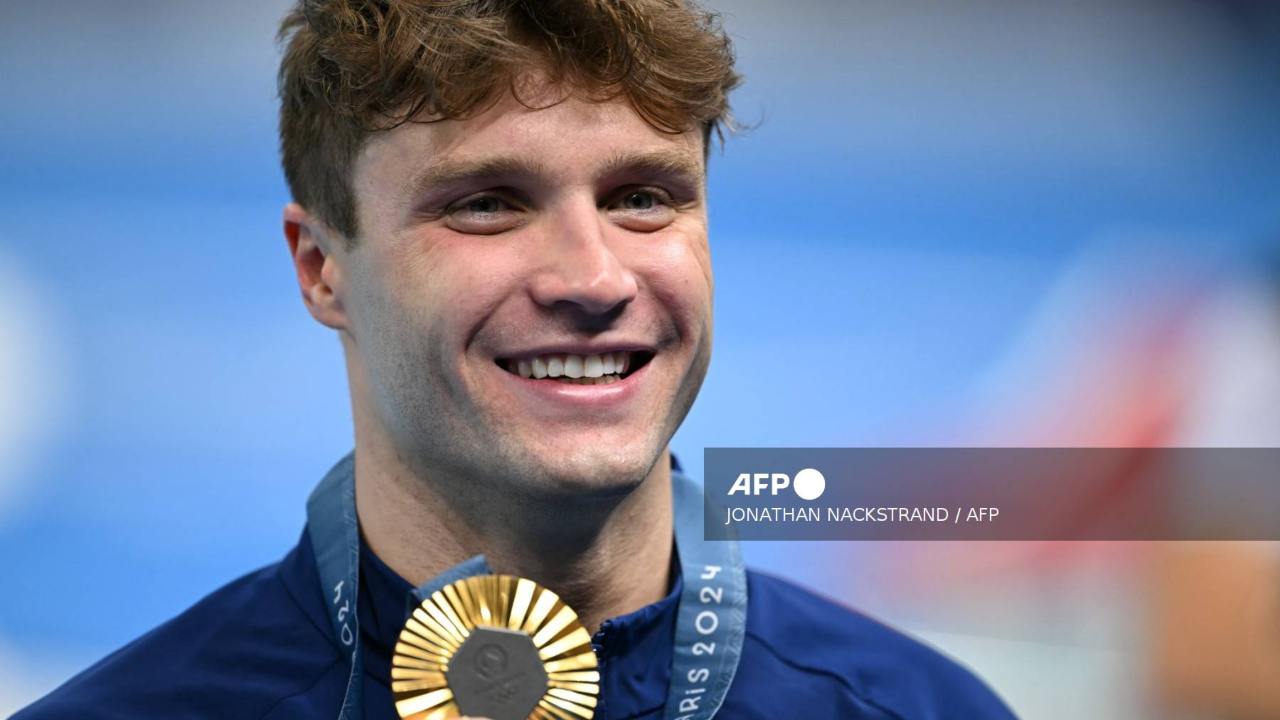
(437, 629)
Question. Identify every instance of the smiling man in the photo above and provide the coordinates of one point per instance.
(500, 208)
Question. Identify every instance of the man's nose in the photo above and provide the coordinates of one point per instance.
(580, 267)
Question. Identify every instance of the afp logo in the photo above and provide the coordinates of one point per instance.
(808, 484)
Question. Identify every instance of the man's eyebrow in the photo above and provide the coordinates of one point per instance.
(451, 173)
(660, 162)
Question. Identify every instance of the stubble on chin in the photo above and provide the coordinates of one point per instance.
(568, 471)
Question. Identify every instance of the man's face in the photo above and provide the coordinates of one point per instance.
(499, 251)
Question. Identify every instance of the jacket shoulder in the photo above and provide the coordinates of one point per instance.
(240, 652)
(800, 638)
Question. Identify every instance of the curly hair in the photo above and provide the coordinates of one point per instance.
(355, 67)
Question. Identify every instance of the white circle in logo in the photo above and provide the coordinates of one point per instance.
(809, 484)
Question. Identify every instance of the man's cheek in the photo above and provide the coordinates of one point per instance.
(681, 274)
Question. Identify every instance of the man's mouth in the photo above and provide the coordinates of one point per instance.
(600, 369)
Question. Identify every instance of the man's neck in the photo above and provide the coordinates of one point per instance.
(604, 557)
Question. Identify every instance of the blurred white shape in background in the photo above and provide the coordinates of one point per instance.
(33, 382)
(1236, 352)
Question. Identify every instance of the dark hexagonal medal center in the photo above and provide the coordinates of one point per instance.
(497, 674)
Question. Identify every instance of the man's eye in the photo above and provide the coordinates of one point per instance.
(487, 214)
(484, 205)
(639, 201)
(642, 200)
(644, 209)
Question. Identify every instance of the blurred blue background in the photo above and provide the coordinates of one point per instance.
(934, 224)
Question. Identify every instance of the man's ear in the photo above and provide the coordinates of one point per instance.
(320, 275)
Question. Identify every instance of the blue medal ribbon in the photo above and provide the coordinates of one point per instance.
(335, 538)
(712, 616)
(710, 622)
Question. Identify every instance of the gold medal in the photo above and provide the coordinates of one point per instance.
(494, 646)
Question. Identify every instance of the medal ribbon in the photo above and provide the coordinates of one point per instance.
(710, 622)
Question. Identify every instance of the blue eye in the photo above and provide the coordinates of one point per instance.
(486, 205)
(639, 201)
(484, 214)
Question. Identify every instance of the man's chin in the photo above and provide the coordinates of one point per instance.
(593, 471)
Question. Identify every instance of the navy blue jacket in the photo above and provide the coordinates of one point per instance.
(263, 648)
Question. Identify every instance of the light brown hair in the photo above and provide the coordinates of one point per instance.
(354, 67)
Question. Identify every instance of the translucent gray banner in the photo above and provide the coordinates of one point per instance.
(992, 494)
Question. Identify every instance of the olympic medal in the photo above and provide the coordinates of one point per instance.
(494, 646)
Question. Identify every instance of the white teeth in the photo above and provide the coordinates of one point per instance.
(584, 369)
(573, 366)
